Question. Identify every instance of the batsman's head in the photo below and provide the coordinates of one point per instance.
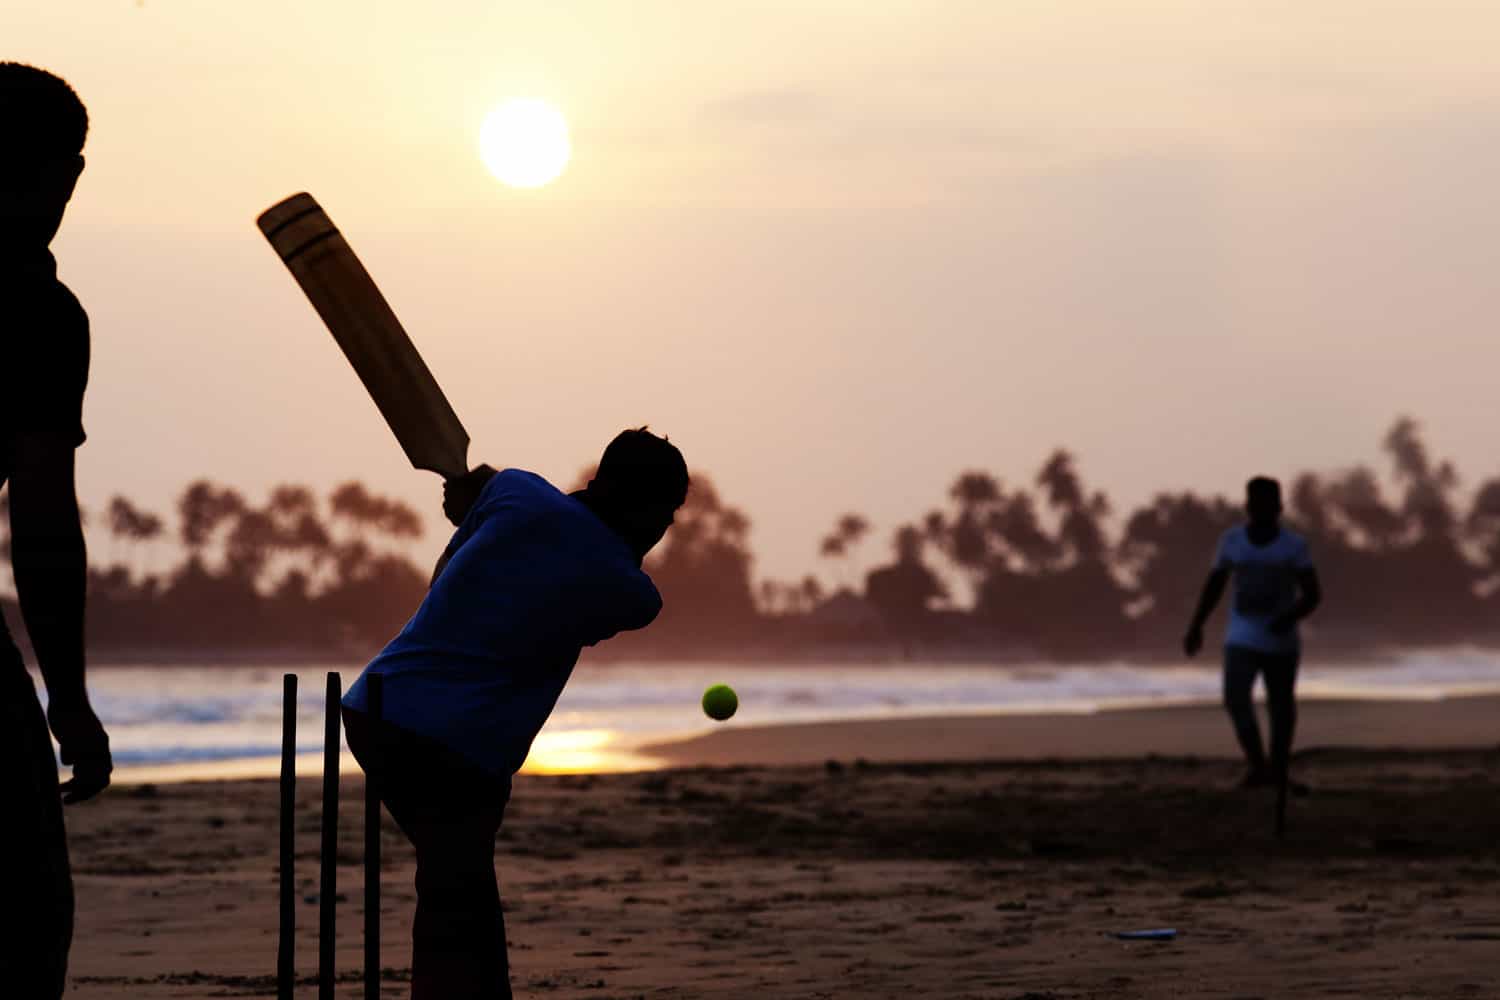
(642, 480)
(42, 128)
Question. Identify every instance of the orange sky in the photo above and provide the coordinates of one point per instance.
(837, 250)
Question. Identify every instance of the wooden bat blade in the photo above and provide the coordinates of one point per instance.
(369, 334)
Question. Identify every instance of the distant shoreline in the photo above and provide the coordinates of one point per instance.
(732, 653)
(1196, 730)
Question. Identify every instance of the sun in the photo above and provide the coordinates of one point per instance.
(524, 143)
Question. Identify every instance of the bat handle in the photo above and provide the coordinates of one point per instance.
(461, 491)
(455, 468)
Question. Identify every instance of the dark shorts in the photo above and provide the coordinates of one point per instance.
(1244, 662)
(451, 811)
(36, 905)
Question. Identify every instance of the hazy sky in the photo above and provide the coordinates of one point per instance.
(837, 250)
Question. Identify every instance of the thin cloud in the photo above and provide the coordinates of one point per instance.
(766, 107)
(811, 122)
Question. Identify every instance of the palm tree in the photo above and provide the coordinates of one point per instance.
(848, 531)
(133, 526)
(772, 597)
(811, 592)
(903, 591)
(298, 532)
(368, 512)
(703, 565)
(1081, 516)
(203, 508)
(1428, 502)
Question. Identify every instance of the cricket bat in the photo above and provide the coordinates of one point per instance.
(369, 334)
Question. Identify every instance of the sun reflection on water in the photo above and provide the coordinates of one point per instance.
(584, 750)
(579, 751)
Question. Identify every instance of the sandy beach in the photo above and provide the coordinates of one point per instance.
(1176, 730)
(948, 875)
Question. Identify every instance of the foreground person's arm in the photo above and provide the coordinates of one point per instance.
(50, 560)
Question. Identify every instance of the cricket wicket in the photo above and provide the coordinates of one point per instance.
(328, 846)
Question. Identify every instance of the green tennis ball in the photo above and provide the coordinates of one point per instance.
(720, 702)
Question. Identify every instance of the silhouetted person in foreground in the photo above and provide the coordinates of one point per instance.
(44, 361)
(1275, 587)
(531, 577)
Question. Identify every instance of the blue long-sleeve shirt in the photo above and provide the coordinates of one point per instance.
(534, 576)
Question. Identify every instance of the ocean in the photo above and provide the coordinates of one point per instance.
(184, 722)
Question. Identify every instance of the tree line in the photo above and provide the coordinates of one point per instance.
(296, 571)
(1043, 568)
(1048, 568)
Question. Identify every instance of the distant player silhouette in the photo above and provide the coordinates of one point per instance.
(531, 577)
(1275, 587)
(44, 359)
